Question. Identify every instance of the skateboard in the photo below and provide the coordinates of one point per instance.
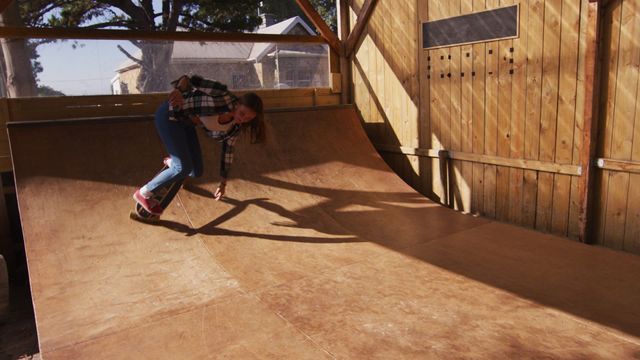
(163, 195)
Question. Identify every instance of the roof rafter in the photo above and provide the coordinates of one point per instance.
(321, 25)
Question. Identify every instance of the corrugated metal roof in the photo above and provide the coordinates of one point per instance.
(215, 50)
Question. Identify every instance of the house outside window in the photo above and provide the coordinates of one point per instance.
(289, 78)
(304, 78)
(239, 81)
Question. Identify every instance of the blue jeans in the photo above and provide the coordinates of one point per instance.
(181, 142)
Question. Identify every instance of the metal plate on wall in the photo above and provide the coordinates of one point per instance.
(496, 24)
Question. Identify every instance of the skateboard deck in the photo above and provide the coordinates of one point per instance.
(163, 196)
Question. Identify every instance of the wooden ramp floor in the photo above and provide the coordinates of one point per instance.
(319, 252)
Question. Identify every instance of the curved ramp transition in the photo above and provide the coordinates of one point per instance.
(319, 251)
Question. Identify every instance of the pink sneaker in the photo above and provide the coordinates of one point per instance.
(150, 205)
(167, 161)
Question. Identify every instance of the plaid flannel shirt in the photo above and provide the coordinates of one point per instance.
(228, 140)
(208, 98)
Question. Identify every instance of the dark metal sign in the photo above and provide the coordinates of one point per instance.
(496, 24)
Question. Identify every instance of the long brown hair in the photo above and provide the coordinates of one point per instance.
(256, 126)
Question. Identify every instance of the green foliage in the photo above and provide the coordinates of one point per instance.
(223, 15)
(209, 15)
(36, 66)
(44, 90)
(284, 9)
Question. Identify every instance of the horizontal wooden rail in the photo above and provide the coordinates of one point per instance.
(408, 150)
(545, 166)
(566, 169)
(147, 117)
(619, 165)
(65, 107)
(109, 34)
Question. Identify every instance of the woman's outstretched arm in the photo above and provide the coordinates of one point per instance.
(226, 159)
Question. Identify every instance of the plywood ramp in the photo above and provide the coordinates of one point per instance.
(319, 251)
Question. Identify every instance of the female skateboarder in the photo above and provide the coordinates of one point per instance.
(197, 102)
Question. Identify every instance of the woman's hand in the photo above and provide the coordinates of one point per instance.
(225, 118)
(220, 191)
(195, 119)
(175, 99)
(183, 83)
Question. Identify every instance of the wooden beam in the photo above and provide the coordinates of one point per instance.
(589, 133)
(432, 153)
(108, 34)
(321, 25)
(544, 166)
(363, 19)
(4, 4)
(619, 165)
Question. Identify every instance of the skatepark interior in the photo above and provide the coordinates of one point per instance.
(370, 224)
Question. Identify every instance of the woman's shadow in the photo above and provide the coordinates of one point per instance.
(213, 227)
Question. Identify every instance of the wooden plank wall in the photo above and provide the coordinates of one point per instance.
(385, 78)
(520, 102)
(68, 107)
(509, 113)
(617, 205)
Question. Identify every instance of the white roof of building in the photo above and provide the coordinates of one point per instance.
(283, 27)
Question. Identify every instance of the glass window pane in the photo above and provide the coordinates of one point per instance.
(98, 67)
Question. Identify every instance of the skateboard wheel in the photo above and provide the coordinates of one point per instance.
(148, 219)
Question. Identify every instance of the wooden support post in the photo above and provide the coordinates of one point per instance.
(591, 84)
(4, 290)
(6, 243)
(603, 3)
(4, 4)
(345, 62)
(335, 80)
(321, 25)
(446, 175)
(363, 19)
